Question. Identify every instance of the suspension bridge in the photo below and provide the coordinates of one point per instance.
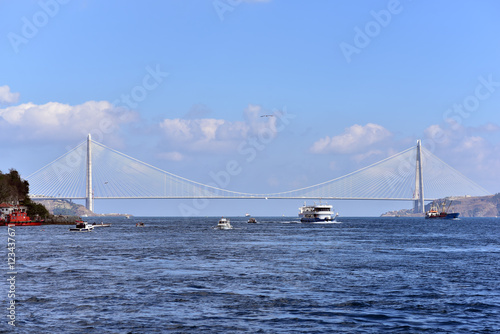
(93, 171)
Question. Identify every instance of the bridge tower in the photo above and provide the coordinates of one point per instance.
(418, 195)
(89, 202)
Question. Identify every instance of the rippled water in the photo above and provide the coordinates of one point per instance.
(179, 275)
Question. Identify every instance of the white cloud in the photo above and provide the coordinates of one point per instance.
(467, 149)
(217, 135)
(373, 154)
(457, 138)
(187, 130)
(475, 154)
(438, 134)
(489, 127)
(354, 139)
(6, 96)
(473, 142)
(172, 156)
(55, 120)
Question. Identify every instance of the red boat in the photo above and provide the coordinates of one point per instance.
(19, 217)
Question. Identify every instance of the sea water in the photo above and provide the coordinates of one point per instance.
(180, 275)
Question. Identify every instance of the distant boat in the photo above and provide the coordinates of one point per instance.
(224, 224)
(100, 225)
(433, 213)
(247, 215)
(139, 224)
(252, 221)
(316, 213)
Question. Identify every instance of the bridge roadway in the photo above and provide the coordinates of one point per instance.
(38, 197)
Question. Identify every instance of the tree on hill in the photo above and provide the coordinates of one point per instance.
(36, 209)
(12, 188)
(15, 190)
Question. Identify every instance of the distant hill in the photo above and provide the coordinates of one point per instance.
(467, 206)
(65, 208)
(68, 208)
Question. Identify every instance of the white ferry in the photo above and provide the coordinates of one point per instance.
(316, 213)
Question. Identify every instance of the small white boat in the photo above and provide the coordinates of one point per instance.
(224, 224)
(82, 226)
(100, 225)
(247, 215)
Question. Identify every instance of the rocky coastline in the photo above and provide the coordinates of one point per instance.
(467, 206)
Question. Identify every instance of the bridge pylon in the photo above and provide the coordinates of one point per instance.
(89, 202)
(418, 195)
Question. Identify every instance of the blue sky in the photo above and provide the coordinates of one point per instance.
(184, 84)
